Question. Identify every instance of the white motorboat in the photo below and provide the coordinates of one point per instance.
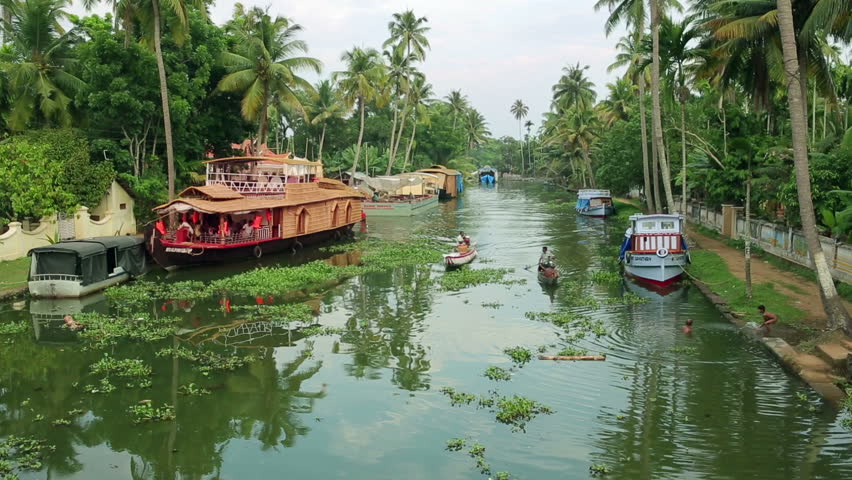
(654, 248)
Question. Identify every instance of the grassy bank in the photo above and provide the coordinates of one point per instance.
(844, 289)
(711, 269)
(13, 275)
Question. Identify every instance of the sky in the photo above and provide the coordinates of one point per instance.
(494, 51)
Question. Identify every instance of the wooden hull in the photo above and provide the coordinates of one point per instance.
(399, 209)
(171, 255)
(459, 259)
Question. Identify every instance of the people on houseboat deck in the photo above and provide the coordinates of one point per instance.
(545, 260)
(184, 232)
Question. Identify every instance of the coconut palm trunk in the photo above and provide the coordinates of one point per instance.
(393, 136)
(395, 148)
(322, 141)
(837, 315)
(588, 161)
(656, 112)
(649, 198)
(521, 144)
(263, 131)
(683, 155)
(164, 97)
(410, 144)
(358, 146)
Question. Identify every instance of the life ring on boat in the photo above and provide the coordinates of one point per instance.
(257, 252)
(663, 252)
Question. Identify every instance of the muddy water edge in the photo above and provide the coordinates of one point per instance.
(392, 379)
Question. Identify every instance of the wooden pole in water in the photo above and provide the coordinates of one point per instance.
(597, 358)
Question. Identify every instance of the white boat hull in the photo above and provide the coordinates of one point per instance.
(458, 259)
(598, 211)
(71, 288)
(656, 269)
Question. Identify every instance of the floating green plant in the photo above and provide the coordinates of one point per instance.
(497, 373)
(683, 349)
(106, 330)
(322, 331)
(269, 281)
(467, 277)
(192, 389)
(599, 469)
(519, 355)
(571, 351)
(286, 312)
(517, 411)
(146, 412)
(491, 304)
(455, 444)
(103, 386)
(22, 453)
(458, 398)
(605, 277)
(13, 328)
(61, 422)
(207, 361)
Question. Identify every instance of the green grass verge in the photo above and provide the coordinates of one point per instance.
(13, 274)
(711, 269)
(624, 209)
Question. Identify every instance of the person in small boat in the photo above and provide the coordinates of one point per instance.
(768, 318)
(687, 329)
(545, 260)
(461, 238)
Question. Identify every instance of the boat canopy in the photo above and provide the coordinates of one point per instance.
(402, 184)
(660, 223)
(588, 194)
(486, 170)
(91, 259)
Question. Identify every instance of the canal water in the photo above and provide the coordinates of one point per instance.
(366, 403)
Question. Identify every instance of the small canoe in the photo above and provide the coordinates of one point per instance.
(548, 275)
(456, 259)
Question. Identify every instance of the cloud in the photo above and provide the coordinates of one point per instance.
(495, 51)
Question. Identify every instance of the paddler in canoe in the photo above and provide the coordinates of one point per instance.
(547, 267)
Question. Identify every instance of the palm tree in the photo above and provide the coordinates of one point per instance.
(676, 40)
(36, 63)
(520, 111)
(458, 104)
(399, 72)
(264, 67)
(576, 130)
(358, 84)
(617, 107)
(573, 89)
(476, 129)
(178, 15)
(407, 34)
(834, 309)
(656, 114)
(528, 125)
(421, 93)
(632, 56)
(325, 104)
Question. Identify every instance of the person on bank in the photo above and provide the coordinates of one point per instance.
(545, 260)
(768, 318)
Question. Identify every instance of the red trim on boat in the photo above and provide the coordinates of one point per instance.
(657, 282)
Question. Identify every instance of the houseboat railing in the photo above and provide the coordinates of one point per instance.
(252, 184)
(56, 277)
(263, 233)
(654, 241)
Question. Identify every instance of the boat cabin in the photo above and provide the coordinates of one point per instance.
(78, 267)
(450, 182)
(402, 186)
(487, 175)
(590, 199)
(261, 176)
(650, 233)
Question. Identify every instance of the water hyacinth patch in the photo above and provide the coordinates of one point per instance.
(458, 398)
(517, 411)
(192, 389)
(322, 331)
(605, 277)
(269, 281)
(571, 351)
(288, 312)
(146, 412)
(13, 328)
(497, 373)
(207, 361)
(455, 444)
(390, 255)
(106, 330)
(519, 355)
(22, 453)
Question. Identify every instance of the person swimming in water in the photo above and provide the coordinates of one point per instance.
(72, 324)
(687, 329)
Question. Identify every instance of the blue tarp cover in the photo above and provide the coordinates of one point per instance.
(582, 203)
(459, 183)
(624, 248)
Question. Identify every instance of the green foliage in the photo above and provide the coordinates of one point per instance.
(497, 373)
(599, 469)
(146, 412)
(192, 389)
(455, 444)
(49, 171)
(519, 355)
(106, 330)
(518, 410)
(467, 277)
(14, 327)
(22, 453)
(458, 398)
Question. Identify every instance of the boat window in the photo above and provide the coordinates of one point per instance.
(649, 225)
(667, 225)
(111, 259)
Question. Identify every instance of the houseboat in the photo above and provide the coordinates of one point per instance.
(487, 175)
(76, 268)
(450, 182)
(654, 248)
(400, 195)
(594, 203)
(250, 206)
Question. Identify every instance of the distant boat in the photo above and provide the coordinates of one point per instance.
(487, 175)
(594, 203)
(654, 248)
(76, 268)
(450, 182)
(402, 195)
